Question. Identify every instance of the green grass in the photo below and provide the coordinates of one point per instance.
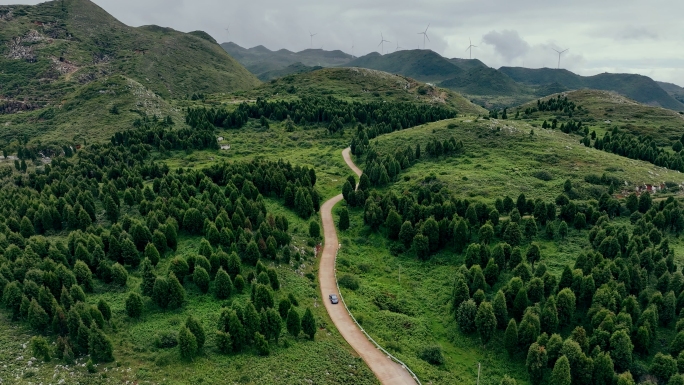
(502, 158)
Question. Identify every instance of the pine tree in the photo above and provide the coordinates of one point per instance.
(344, 219)
(603, 369)
(500, 309)
(148, 277)
(37, 317)
(197, 330)
(201, 278)
(223, 284)
(187, 343)
(309, 324)
(176, 292)
(536, 363)
(461, 292)
(485, 320)
(119, 275)
(105, 309)
(293, 323)
(393, 224)
(511, 337)
(84, 276)
(152, 254)
(314, 230)
(261, 344)
(561, 372)
(26, 228)
(236, 331)
(99, 345)
(621, 350)
(465, 316)
(134, 305)
(252, 254)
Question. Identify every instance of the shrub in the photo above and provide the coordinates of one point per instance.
(187, 343)
(40, 348)
(432, 354)
(349, 281)
(261, 344)
(166, 339)
(201, 279)
(119, 275)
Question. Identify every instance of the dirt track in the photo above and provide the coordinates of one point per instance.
(386, 370)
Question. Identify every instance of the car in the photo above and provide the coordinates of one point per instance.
(333, 299)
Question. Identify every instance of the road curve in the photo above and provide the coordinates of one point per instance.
(386, 370)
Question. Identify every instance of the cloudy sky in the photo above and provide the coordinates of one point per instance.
(645, 37)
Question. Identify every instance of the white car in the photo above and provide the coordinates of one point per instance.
(333, 299)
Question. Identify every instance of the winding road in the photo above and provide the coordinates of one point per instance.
(386, 370)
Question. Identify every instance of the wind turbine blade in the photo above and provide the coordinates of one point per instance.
(379, 44)
(427, 28)
(565, 50)
(428, 37)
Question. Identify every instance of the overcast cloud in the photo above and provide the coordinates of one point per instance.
(634, 36)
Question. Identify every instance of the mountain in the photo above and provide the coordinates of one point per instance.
(63, 63)
(637, 87)
(466, 64)
(484, 81)
(261, 61)
(424, 65)
(673, 90)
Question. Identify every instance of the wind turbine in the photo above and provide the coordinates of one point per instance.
(470, 48)
(228, 30)
(398, 48)
(559, 55)
(382, 42)
(312, 35)
(425, 35)
(352, 50)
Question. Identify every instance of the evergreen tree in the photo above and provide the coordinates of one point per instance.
(603, 369)
(663, 367)
(134, 305)
(37, 317)
(176, 293)
(500, 309)
(104, 309)
(461, 292)
(261, 344)
(393, 224)
(148, 277)
(252, 253)
(621, 350)
(506, 380)
(187, 343)
(565, 304)
(119, 275)
(251, 320)
(485, 320)
(152, 254)
(84, 276)
(309, 324)
(536, 363)
(314, 230)
(197, 330)
(465, 316)
(561, 372)
(201, 278)
(344, 219)
(160, 292)
(223, 284)
(293, 323)
(511, 337)
(421, 245)
(100, 346)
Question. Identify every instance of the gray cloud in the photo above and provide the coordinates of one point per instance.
(507, 43)
(636, 33)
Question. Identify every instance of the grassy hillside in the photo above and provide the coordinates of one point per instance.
(640, 88)
(467, 64)
(603, 110)
(484, 81)
(358, 84)
(65, 64)
(267, 64)
(424, 65)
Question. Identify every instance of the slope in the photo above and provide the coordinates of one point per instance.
(674, 90)
(424, 65)
(359, 84)
(640, 88)
(292, 69)
(604, 110)
(261, 61)
(484, 81)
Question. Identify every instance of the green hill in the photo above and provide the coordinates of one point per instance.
(292, 69)
(69, 60)
(265, 63)
(640, 88)
(424, 65)
(484, 81)
(359, 84)
(673, 90)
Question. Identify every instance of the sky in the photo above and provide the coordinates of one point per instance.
(620, 36)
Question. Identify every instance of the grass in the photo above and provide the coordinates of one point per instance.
(502, 158)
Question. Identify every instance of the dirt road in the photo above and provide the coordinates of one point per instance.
(386, 370)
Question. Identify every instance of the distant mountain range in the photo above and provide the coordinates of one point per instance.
(484, 85)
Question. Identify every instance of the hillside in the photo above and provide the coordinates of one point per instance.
(484, 81)
(292, 69)
(674, 90)
(359, 84)
(57, 58)
(263, 62)
(640, 88)
(424, 65)
(467, 64)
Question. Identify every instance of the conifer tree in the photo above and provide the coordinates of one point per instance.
(37, 317)
(201, 278)
(148, 277)
(99, 345)
(223, 284)
(561, 372)
(152, 254)
(134, 305)
(293, 323)
(511, 337)
(344, 219)
(187, 343)
(160, 292)
(309, 324)
(197, 330)
(176, 292)
(485, 320)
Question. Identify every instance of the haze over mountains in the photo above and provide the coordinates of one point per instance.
(485, 85)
